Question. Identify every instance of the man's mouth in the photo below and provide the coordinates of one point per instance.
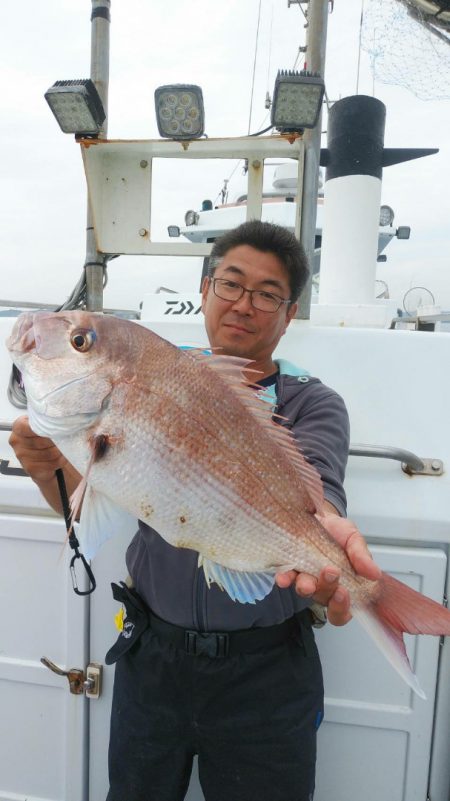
(238, 327)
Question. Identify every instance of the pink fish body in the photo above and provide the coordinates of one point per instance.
(179, 441)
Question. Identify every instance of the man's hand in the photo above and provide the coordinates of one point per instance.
(38, 456)
(325, 589)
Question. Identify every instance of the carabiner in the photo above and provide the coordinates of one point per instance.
(88, 570)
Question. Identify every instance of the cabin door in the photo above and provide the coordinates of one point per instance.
(42, 724)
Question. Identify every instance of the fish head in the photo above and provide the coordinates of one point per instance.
(68, 366)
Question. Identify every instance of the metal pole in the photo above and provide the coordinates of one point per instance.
(100, 24)
(315, 61)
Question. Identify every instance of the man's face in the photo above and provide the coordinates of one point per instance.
(236, 326)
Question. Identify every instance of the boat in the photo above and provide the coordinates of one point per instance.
(378, 738)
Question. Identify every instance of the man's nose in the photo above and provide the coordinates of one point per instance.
(244, 303)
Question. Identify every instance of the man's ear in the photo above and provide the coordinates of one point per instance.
(291, 312)
(205, 289)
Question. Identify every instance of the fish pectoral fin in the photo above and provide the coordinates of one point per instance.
(76, 499)
(242, 586)
(100, 520)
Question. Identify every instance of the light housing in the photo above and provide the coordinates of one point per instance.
(297, 100)
(173, 230)
(179, 111)
(386, 216)
(191, 217)
(76, 106)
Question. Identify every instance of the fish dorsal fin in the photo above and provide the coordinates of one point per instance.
(227, 365)
(261, 405)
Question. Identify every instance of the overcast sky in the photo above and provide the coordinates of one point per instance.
(211, 43)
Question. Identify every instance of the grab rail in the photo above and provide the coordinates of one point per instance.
(5, 426)
(411, 464)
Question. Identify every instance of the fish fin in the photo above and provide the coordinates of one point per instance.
(100, 520)
(240, 585)
(76, 499)
(407, 610)
(390, 642)
(233, 366)
(99, 445)
(399, 609)
(260, 404)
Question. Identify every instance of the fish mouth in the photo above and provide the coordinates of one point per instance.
(31, 335)
(25, 342)
(22, 339)
(61, 387)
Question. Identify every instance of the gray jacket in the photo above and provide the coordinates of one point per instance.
(168, 578)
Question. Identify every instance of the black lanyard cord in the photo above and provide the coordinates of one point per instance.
(73, 541)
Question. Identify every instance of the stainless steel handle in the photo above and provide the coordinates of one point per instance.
(411, 464)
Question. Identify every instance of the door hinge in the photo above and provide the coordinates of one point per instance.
(80, 682)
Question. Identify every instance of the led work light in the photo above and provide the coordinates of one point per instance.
(297, 100)
(76, 106)
(179, 111)
(386, 215)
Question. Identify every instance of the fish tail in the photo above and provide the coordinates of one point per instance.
(407, 610)
(399, 609)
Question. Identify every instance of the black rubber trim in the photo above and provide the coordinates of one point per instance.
(101, 11)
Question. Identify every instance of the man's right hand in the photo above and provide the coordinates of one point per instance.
(38, 456)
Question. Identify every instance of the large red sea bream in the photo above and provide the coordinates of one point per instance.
(180, 441)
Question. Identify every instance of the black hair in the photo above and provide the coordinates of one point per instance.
(268, 238)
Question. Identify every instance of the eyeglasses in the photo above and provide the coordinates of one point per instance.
(263, 301)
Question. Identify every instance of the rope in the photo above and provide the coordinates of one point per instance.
(254, 68)
(359, 46)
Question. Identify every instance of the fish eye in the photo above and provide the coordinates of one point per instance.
(82, 340)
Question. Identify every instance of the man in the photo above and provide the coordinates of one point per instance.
(238, 684)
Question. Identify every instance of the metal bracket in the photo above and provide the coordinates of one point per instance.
(119, 178)
(431, 467)
(6, 470)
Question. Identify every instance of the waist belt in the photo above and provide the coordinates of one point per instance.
(218, 644)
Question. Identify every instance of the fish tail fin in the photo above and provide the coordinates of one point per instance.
(410, 611)
(399, 609)
(390, 642)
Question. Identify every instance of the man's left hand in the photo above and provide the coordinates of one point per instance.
(325, 589)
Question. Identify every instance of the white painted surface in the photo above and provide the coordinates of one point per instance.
(348, 261)
(371, 711)
(42, 726)
(378, 314)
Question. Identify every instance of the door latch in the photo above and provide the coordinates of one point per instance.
(89, 683)
(93, 681)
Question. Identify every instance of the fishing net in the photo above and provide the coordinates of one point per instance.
(407, 46)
